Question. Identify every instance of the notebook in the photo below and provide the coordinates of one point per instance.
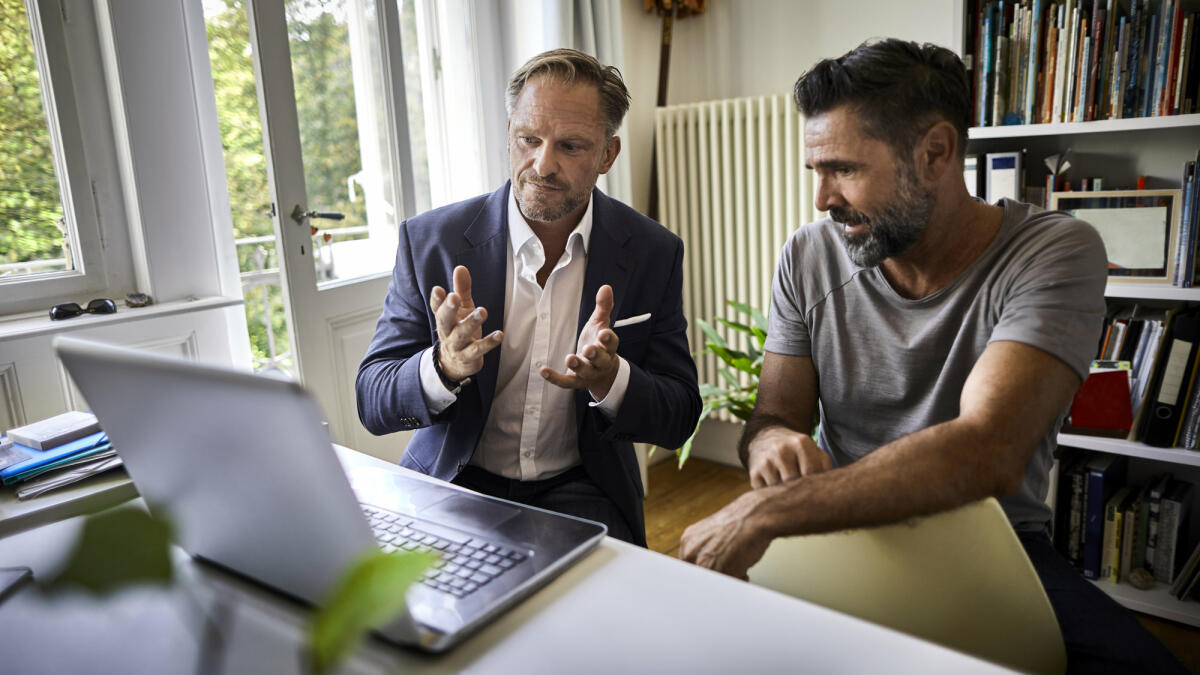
(242, 466)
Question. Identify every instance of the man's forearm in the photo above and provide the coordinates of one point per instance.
(933, 470)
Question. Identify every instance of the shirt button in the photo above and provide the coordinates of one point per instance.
(539, 364)
(528, 453)
(543, 316)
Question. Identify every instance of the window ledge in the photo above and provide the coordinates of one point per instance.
(29, 326)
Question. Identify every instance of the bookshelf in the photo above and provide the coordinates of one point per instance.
(1113, 144)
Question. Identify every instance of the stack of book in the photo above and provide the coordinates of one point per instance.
(54, 452)
(1108, 526)
(1036, 61)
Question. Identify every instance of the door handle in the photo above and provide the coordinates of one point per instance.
(299, 214)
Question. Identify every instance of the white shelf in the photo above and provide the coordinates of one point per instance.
(1098, 126)
(1157, 601)
(1139, 291)
(1120, 446)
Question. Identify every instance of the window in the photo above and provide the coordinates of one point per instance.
(49, 233)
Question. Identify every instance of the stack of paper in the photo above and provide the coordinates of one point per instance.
(69, 445)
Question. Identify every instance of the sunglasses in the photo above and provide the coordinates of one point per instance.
(67, 310)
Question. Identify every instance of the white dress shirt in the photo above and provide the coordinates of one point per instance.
(531, 430)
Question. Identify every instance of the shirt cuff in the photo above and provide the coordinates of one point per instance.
(437, 396)
(616, 393)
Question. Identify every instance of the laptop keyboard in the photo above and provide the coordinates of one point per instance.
(466, 564)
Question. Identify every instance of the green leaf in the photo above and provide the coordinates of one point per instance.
(369, 594)
(729, 377)
(686, 449)
(744, 364)
(740, 327)
(709, 391)
(117, 548)
(713, 336)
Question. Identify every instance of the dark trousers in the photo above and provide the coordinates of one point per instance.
(1101, 636)
(570, 492)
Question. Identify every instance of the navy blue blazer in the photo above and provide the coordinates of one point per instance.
(640, 259)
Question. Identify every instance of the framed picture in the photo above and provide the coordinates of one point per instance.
(1140, 229)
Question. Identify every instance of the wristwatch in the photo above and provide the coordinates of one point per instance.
(454, 386)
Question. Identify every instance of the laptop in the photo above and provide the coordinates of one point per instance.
(243, 467)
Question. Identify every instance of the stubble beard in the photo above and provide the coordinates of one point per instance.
(898, 225)
(553, 206)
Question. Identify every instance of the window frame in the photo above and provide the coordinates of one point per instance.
(53, 41)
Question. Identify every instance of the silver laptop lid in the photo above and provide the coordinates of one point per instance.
(186, 449)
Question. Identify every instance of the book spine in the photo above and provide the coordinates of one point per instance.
(1034, 51)
(1141, 531)
(1164, 550)
(1108, 541)
(1093, 537)
(1075, 535)
(1128, 527)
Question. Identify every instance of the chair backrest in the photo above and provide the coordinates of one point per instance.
(959, 578)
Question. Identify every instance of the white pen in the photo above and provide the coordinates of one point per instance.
(631, 320)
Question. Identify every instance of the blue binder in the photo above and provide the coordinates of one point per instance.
(40, 458)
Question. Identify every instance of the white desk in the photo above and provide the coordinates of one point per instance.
(622, 609)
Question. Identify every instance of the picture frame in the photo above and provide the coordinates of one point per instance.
(1140, 229)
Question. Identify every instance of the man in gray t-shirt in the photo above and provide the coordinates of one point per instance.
(942, 338)
(889, 366)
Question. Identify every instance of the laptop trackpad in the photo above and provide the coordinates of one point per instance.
(469, 513)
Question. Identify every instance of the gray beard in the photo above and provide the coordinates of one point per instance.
(893, 230)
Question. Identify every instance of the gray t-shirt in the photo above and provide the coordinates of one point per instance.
(888, 366)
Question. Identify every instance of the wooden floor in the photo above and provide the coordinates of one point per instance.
(678, 498)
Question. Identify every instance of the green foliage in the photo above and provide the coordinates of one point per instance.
(369, 594)
(117, 548)
(30, 206)
(735, 397)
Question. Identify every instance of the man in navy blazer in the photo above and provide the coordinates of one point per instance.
(557, 275)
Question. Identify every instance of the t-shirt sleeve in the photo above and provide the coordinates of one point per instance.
(1056, 298)
(787, 330)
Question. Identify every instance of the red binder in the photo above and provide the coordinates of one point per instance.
(1103, 402)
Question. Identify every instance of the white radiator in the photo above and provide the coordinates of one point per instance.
(733, 186)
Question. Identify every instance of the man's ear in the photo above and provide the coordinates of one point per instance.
(937, 151)
(611, 150)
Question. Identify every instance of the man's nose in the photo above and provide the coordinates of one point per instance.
(544, 161)
(827, 195)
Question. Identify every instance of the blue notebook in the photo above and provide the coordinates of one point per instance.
(38, 458)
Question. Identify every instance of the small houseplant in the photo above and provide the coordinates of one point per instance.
(735, 397)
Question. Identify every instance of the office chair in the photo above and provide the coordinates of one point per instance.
(959, 578)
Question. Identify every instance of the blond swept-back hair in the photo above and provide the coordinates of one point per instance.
(570, 66)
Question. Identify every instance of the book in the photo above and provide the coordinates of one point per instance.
(1002, 176)
(1173, 525)
(1157, 488)
(1129, 525)
(1141, 527)
(1170, 386)
(54, 431)
(1105, 475)
(1110, 554)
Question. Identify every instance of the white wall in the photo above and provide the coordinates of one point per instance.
(755, 48)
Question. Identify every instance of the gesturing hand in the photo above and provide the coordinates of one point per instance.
(594, 363)
(460, 328)
(778, 454)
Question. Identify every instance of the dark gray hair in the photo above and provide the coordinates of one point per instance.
(897, 88)
(570, 66)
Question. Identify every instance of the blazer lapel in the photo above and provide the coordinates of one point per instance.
(607, 263)
(486, 258)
